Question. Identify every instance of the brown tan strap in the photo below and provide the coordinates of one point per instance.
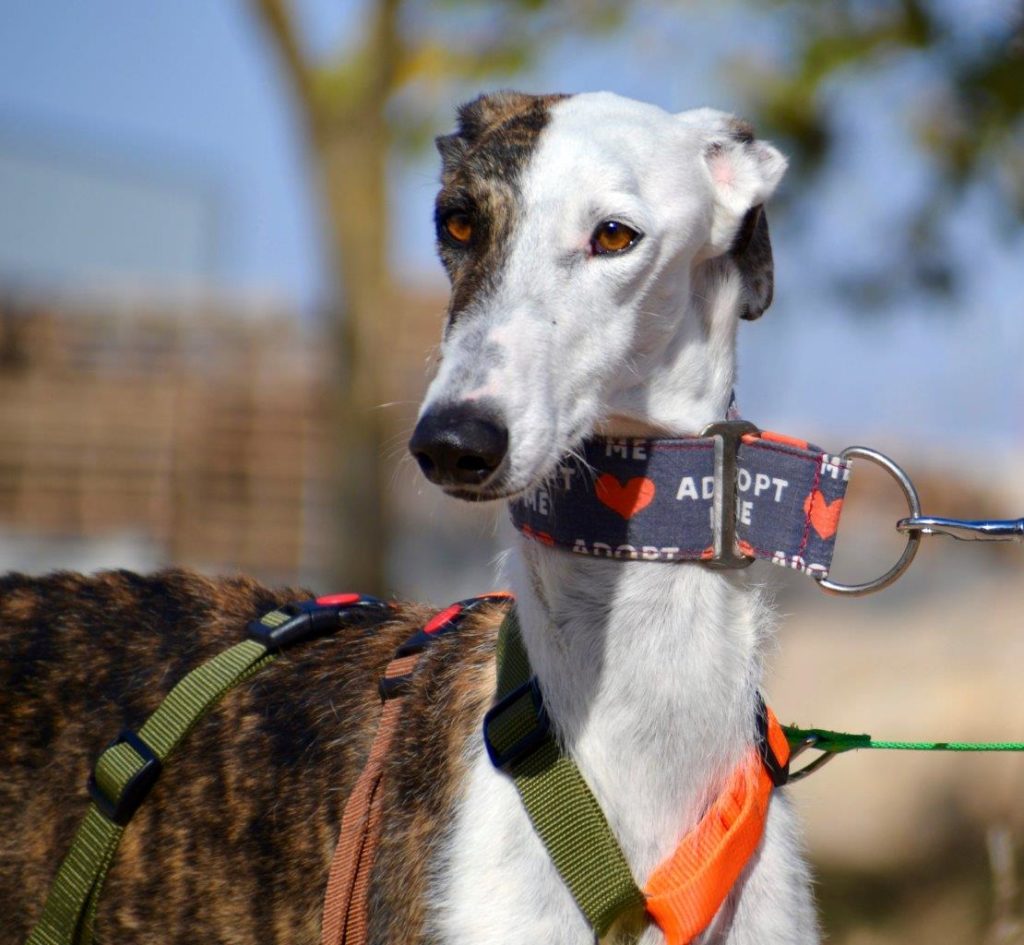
(345, 901)
(344, 917)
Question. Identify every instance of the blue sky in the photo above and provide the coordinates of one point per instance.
(187, 94)
(183, 91)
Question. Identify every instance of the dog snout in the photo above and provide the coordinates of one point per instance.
(459, 444)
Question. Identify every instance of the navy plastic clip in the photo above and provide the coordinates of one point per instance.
(303, 620)
(526, 744)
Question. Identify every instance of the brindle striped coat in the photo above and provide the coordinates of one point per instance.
(235, 841)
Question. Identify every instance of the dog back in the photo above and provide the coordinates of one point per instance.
(234, 843)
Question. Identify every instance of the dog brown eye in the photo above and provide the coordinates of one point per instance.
(612, 237)
(458, 227)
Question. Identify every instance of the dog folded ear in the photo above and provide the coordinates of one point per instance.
(752, 253)
(744, 173)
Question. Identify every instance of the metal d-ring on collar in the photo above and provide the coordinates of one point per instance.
(729, 434)
(915, 526)
(913, 535)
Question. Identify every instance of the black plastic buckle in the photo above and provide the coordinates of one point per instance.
(532, 740)
(778, 772)
(302, 620)
(444, 621)
(420, 640)
(121, 810)
(728, 435)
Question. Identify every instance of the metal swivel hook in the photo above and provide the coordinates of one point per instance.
(964, 529)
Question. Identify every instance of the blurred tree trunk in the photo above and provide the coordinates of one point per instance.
(348, 144)
(352, 168)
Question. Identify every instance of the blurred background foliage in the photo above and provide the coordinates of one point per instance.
(217, 291)
(968, 121)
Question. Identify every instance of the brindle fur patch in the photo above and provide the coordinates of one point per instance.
(482, 164)
(235, 841)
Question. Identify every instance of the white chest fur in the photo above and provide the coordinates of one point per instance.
(649, 672)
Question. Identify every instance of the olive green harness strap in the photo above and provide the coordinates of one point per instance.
(561, 807)
(123, 775)
(129, 767)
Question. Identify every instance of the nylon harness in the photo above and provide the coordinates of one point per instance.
(684, 893)
(682, 896)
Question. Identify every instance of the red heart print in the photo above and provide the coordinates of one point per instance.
(626, 499)
(824, 516)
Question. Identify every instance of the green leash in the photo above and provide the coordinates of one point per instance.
(831, 743)
(835, 743)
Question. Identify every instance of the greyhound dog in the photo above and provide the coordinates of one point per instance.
(598, 278)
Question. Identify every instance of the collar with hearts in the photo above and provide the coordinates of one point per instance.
(654, 500)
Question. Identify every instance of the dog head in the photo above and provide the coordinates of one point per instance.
(600, 251)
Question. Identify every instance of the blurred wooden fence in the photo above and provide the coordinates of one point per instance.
(198, 428)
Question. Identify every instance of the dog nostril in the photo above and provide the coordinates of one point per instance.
(426, 463)
(473, 463)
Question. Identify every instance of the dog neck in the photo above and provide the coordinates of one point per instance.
(685, 378)
(648, 670)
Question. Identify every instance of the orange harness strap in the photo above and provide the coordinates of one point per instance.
(686, 891)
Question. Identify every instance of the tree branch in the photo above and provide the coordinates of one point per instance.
(279, 23)
(387, 49)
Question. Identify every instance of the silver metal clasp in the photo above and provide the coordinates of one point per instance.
(728, 435)
(964, 529)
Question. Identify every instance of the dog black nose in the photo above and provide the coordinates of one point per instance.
(459, 444)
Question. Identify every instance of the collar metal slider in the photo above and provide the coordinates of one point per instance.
(728, 434)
